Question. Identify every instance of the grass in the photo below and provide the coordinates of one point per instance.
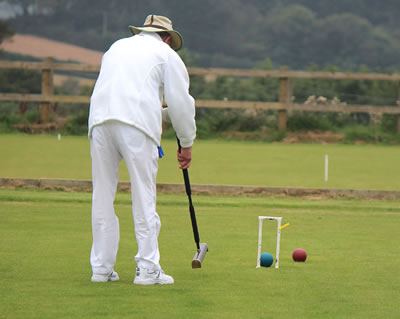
(217, 162)
(351, 272)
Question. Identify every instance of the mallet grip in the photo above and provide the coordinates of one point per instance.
(179, 144)
(185, 173)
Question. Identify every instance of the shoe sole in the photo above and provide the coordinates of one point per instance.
(97, 278)
(149, 282)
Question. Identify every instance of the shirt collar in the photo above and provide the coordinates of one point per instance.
(150, 34)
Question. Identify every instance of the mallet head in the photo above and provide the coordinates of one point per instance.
(199, 256)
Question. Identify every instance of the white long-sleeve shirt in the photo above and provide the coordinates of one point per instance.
(135, 73)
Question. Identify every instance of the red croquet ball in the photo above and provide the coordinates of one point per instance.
(299, 255)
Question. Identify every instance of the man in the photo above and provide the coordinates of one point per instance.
(125, 122)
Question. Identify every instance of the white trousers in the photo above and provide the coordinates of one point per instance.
(109, 144)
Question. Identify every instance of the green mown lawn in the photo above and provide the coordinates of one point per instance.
(352, 270)
(217, 162)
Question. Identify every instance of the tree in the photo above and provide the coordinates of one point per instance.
(288, 35)
(350, 41)
(5, 32)
(24, 4)
(236, 33)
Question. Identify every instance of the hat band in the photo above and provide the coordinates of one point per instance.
(155, 26)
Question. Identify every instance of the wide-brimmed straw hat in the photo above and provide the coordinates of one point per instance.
(155, 23)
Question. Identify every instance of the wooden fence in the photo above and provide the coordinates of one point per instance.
(284, 104)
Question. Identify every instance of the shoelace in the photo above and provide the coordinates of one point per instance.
(158, 272)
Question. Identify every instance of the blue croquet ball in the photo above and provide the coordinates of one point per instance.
(266, 259)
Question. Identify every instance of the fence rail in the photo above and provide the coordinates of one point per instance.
(48, 66)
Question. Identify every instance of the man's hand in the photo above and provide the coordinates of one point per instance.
(184, 157)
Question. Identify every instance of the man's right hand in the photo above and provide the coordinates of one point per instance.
(184, 157)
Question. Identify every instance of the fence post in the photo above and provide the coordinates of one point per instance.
(398, 124)
(47, 89)
(398, 104)
(285, 93)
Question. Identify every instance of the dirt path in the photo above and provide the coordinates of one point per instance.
(42, 48)
(220, 190)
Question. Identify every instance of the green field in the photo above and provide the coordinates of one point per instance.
(217, 162)
(352, 270)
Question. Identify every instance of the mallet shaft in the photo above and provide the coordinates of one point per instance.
(191, 207)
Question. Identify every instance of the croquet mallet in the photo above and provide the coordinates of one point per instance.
(203, 247)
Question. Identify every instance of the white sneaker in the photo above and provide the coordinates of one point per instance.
(152, 277)
(113, 276)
